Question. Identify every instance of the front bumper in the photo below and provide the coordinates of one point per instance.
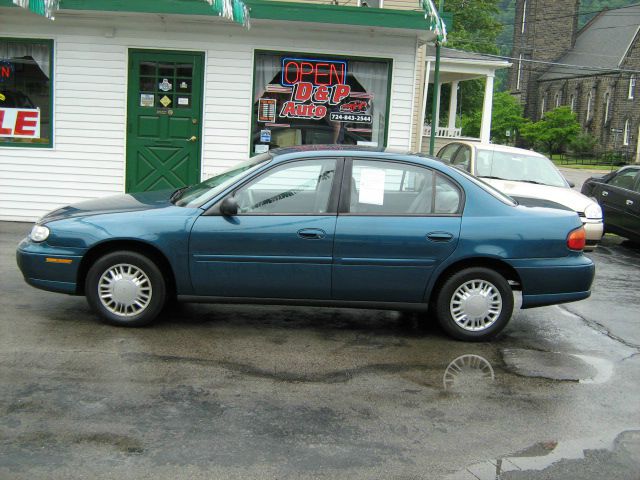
(594, 230)
(49, 268)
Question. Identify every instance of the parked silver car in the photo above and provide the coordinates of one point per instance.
(527, 176)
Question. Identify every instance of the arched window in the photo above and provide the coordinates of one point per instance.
(590, 105)
(572, 102)
(556, 100)
(607, 106)
(524, 16)
(627, 133)
(543, 105)
(632, 87)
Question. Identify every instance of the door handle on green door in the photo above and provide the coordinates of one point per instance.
(192, 139)
(440, 236)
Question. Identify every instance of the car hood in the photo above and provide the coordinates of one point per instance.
(563, 195)
(130, 202)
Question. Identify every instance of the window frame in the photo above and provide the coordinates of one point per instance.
(51, 43)
(632, 87)
(329, 56)
(626, 133)
(636, 173)
(345, 190)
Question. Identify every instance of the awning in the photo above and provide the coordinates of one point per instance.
(234, 10)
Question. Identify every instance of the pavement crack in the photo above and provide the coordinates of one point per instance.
(602, 329)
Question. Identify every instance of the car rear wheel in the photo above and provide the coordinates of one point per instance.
(126, 289)
(474, 304)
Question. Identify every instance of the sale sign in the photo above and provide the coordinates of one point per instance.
(19, 123)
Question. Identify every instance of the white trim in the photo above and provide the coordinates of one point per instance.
(424, 101)
(632, 87)
(414, 125)
(607, 105)
(572, 102)
(524, 16)
(518, 78)
(590, 105)
(628, 49)
(626, 133)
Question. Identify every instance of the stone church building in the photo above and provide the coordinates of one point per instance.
(595, 70)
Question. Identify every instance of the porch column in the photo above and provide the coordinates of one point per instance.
(436, 121)
(453, 105)
(423, 112)
(485, 127)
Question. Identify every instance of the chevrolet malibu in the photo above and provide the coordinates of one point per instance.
(346, 227)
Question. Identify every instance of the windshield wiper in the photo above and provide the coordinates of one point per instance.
(175, 196)
(494, 178)
(532, 181)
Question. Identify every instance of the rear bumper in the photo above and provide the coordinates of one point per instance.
(49, 268)
(555, 280)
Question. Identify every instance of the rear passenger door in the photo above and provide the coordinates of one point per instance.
(397, 221)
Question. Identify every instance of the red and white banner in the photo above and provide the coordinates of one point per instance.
(19, 123)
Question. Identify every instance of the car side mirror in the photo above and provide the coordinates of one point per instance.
(229, 207)
(571, 184)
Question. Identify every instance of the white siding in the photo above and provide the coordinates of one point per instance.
(90, 81)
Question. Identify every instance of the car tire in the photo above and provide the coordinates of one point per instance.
(474, 304)
(126, 289)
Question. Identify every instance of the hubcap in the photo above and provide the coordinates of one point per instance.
(124, 290)
(476, 305)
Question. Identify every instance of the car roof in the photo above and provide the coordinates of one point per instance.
(315, 151)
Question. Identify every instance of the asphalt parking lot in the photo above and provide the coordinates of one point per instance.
(251, 392)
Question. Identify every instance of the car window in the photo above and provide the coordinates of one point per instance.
(301, 187)
(462, 158)
(393, 188)
(446, 153)
(519, 167)
(624, 179)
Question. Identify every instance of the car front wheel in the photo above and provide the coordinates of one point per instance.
(126, 289)
(474, 304)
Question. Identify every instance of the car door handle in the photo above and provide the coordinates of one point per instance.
(311, 233)
(440, 236)
(605, 193)
(629, 202)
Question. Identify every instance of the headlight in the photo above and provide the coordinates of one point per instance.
(593, 211)
(39, 233)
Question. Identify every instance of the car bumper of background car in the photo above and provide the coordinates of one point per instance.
(49, 268)
(549, 281)
(594, 230)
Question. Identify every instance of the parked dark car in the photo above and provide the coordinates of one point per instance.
(350, 227)
(618, 193)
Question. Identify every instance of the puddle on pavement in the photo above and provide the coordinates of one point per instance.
(612, 455)
(557, 365)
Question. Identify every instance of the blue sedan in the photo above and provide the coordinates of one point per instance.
(348, 227)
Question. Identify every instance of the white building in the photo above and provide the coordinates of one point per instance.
(157, 94)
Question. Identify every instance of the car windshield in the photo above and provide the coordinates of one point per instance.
(196, 195)
(517, 167)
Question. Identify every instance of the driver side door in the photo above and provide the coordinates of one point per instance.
(280, 243)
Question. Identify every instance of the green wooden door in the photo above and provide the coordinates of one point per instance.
(163, 119)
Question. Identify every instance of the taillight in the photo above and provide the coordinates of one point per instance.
(577, 239)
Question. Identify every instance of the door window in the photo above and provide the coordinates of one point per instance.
(447, 152)
(462, 159)
(391, 188)
(293, 188)
(625, 179)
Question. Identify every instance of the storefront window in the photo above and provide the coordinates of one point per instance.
(25, 92)
(302, 99)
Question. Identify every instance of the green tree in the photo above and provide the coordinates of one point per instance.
(507, 115)
(557, 129)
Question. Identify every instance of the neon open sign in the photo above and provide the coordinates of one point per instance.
(6, 70)
(314, 71)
